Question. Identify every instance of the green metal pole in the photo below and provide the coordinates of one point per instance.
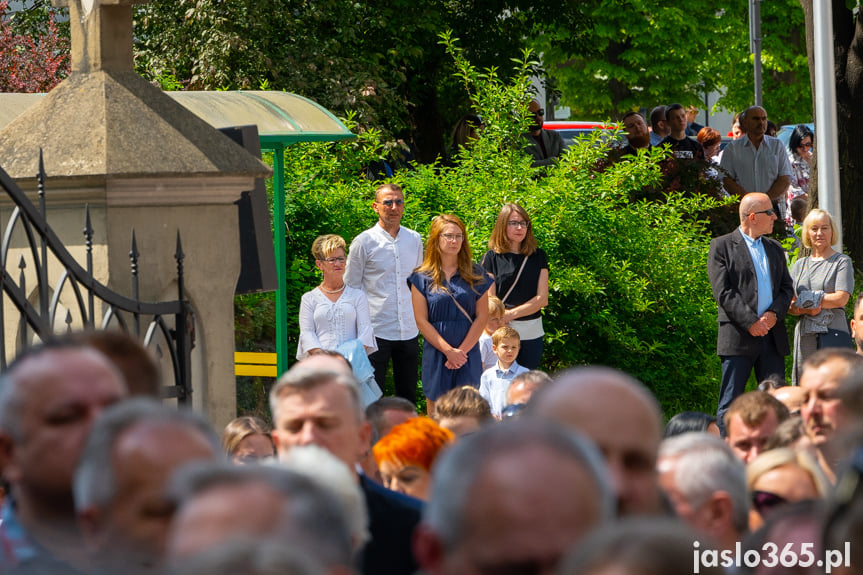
(281, 256)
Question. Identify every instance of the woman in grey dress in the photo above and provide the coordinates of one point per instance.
(823, 283)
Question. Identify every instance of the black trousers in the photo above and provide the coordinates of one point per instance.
(405, 355)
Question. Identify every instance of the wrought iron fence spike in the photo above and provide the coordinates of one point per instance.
(88, 226)
(179, 256)
(133, 251)
(22, 263)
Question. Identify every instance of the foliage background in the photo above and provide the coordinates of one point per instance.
(628, 282)
(641, 53)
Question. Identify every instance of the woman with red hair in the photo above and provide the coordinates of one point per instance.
(405, 455)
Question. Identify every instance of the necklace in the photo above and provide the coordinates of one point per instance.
(325, 290)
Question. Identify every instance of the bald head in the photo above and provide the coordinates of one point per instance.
(752, 203)
(754, 122)
(622, 417)
(756, 215)
(325, 361)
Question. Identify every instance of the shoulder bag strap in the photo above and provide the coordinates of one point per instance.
(459, 306)
(517, 276)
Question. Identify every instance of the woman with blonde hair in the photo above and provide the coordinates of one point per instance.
(781, 476)
(247, 440)
(520, 272)
(333, 312)
(450, 301)
(823, 283)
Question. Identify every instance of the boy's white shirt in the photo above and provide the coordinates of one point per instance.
(493, 387)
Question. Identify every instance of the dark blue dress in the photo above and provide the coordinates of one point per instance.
(453, 326)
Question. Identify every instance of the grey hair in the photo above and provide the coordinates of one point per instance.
(302, 378)
(249, 557)
(706, 464)
(311, 516)
(328, 470)
(94, 483)
(457, 468)
(645, 545)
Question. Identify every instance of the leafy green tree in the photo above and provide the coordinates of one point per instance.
(379, 59)
(645, 52)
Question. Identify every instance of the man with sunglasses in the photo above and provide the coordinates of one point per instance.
(753, 290)
(546, 146)
(379, 261)
(757, 162)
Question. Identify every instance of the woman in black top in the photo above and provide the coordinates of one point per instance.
(520, 271)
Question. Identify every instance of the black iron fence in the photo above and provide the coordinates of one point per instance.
(165, 327)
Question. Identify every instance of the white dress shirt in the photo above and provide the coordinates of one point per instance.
(380, 264)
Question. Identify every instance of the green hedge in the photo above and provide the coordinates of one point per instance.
(628, 281)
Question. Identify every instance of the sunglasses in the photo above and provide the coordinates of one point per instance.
(512, 410)
(764, 501)
(769, 212)
(391, 203)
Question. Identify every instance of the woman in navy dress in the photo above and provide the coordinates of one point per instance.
(450, 301)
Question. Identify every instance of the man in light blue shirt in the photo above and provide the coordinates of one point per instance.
(753, 290)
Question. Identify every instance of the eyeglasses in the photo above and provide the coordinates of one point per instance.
(452, 237)
(806, 145)
(540, 112)
(764, 501)
(340, 260)
(769, 212)
(512, 410)
(391, 203)
(517, 224)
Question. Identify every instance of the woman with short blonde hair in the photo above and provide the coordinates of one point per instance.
(333, 312)
(823, 284)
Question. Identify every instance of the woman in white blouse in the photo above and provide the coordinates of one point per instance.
(333, 312)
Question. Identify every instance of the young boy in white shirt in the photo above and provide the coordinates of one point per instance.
(494, 321)
(495, 380)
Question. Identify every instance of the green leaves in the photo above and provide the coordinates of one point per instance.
(642, 53)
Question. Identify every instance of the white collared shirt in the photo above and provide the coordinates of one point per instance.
(494, 383)
(380, 264)
(756, 169)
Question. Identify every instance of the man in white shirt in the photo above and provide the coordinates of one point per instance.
(757, 163)
(380, 260)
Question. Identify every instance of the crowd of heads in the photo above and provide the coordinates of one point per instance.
(582, 475)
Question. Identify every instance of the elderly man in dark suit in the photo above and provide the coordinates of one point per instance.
(753, 290)
(317, 403)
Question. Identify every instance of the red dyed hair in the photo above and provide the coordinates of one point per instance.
(414, 442)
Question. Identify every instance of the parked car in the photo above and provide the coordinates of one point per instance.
(570, 130)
